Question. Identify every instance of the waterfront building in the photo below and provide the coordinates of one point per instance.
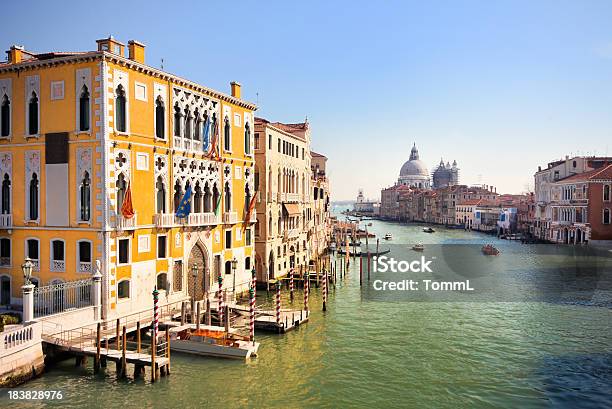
(98, 153)
(550, 225)
(282, 177)
(319, 224)
(365, 206)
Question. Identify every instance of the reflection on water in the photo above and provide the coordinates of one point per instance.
(365, 353)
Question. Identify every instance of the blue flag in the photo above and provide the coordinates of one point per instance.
(185, 205)
(206, 134)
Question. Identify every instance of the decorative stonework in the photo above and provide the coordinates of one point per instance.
(122, 163)
(6, 163)
(195, 170)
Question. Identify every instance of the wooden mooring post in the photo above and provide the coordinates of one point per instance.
(198, 316)
(98, 341)
(138, 340)
(123, 372)
(117, 325)
(183, 313)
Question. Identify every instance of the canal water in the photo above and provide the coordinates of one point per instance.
(367, 353)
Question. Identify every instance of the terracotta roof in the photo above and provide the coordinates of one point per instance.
(317, 155)
(471, 202)
(604, 172)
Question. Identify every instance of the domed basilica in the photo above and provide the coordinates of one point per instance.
(414, 173)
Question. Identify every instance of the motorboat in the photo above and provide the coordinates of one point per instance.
(212, 341)
(418, 247)
(428, 230)
(490, 250)
(388, 236)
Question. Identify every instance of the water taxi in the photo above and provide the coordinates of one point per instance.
(490, 250)
(388, 236)
(211, 341)
(418, 247)
(428, 230)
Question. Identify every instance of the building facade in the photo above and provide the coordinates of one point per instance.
(98, 152)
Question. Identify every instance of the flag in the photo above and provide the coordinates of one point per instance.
(206, 133)
(218, 206)
(185, 205)
(212, 153)
(127, 210)
(249, 210)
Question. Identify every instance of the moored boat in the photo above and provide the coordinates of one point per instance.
(211, 341)
(388, 236)
(428, 230)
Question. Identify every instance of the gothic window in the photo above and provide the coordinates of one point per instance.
(33, 196)
(121, 186)
(215, 197)
(160, 196)
(6, 194)
(207, 199)
(85, 195)
(270, 223)
(207, 131)
(198, 125)
(606, 193)
(33, 115)
(228, 198)
(178, 195)
(84, 109)
(247, 139)
(188, 123)
(5, 117)
(120, 110)
(177, 120)
(226, 135)
(197, 199)
(160, 118)
(247, 197)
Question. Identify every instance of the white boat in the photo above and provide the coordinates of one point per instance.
(428, 230)
(418, 247)
(388, 236)
(211, 341)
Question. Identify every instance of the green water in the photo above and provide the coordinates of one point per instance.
(367, 354)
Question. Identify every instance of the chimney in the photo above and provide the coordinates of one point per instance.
(111, 45)
(15, 54)
(136, 51)
(235, 89)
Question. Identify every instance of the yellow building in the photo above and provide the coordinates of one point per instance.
(78, 132)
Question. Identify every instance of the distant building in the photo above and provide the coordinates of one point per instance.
(445, 175)
(362, 205)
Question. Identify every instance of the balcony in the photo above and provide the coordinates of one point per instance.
(203, 219)
(291, 234)
(122, 223)
(5, 261)
(230, 217)
(163, 220)
(6, 221)
(84, 266)
(58, 265)
(562, 223)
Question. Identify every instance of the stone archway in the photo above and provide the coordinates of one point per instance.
(198, 256)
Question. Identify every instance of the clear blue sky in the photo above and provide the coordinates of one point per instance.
(499, 86)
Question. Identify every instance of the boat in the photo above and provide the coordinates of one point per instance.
(369, 224)
(428, 230)
(388, 236)
(490, 250)
(418, 247)
(211, 341)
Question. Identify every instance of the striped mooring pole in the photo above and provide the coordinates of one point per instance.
(291, 284)
(306, 290)
(220, 298)
(254, 281)
(278, 304)
(155, 313)
(252, 318)
(324, 290)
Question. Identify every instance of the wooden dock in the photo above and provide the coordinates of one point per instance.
(290, 320)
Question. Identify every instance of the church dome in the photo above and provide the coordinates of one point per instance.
(414, 166)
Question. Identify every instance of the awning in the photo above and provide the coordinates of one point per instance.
(291, 209)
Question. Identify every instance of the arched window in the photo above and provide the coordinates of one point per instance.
(256, 179)
(247, 263)
(120, 110)
(160, 119)
(207, 199)
(162, 281)
(226, 135)
(247, 197)
(160, 195)
(197, 199)
(33, 115)
(121, 186)
(228, 198)
(197, 132)
(188, 123)
(247, 139)
(270, 224)
(216, 196)
(606, 216)
(606, 193)
(84, 256)
(228, 267)
(178, 195)
(85, 194)
(33, 196)
(6, 194)
(206, 132)
(84, 109)
(177, 120)
(5, 117)
(5, 252)
(123, 289)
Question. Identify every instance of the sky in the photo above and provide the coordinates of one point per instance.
(501, 87)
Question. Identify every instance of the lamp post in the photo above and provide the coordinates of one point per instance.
(194, 274)
(27, 267)
(234, 266)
